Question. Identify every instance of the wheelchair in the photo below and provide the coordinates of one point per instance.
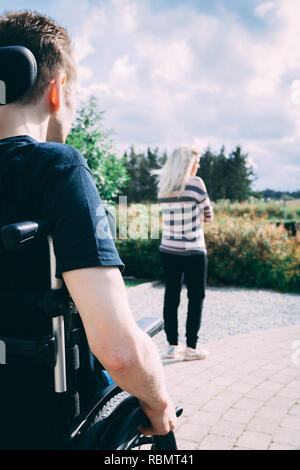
(111, 418)
(44, 402)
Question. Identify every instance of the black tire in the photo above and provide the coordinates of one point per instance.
(114, 427)
(167, 442)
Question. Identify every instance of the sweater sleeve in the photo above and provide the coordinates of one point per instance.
(206, 205)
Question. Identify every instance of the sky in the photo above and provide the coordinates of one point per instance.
(192, 72)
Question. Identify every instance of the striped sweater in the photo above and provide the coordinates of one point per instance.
(183, 218)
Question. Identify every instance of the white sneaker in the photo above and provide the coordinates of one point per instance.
(195, 354)
(175, 352)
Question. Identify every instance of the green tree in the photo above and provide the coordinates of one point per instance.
(240, 176)
(142, 186)
(95, 143)
(226, 177)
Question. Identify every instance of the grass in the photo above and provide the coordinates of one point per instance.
(294, 203)
(134, 282)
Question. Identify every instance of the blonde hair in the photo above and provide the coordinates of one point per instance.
(174, 174)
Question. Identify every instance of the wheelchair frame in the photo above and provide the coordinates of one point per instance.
(113, 420)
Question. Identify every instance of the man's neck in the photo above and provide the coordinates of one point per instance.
(18, 120)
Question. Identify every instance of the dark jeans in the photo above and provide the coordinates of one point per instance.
(194, 269)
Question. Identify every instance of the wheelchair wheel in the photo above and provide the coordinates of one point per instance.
(114, 427)
(140, 442)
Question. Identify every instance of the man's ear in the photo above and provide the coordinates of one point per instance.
(55, 92)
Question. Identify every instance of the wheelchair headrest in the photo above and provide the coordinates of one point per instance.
(18, 72)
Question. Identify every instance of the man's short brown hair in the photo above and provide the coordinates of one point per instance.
(48, 41)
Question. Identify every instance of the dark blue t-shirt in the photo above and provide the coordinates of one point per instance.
(51, 182)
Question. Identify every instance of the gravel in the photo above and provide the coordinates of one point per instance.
(226, 312)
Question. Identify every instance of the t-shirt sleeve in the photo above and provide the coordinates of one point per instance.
(77, 220)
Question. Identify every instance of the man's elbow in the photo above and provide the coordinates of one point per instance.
(116, 360)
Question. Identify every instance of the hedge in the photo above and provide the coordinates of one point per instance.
(240, 253)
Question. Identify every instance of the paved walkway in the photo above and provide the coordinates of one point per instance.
(245, 395)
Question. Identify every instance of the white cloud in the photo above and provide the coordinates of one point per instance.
(181, 77)
(82, 48)
(128, 11)
(264, 8)
(121, 69)
(84, 73)
(170, 61)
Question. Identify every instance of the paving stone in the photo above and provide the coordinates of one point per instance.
(215, 442)
(224, 381)
(263, 425)
(267, 412)
(292, 422)
(186, 445)
(270, 386)
(192, 432)
(206, 418)
(240, 387)
(292, 370)
(249, 404)
(194, 381)
(280, 402)
(281, 378)
(260, 394)
(229, 396)
(294, 410)
(217, 405)
(287, 436)
(188, 409)
(227, 429)
(197, 399)
(253, 380)
(295, 384)
(211, 390)
(289, 392)
(254, 440)
(238, 416)
(238, 373)
(246, 396)
(262, 373)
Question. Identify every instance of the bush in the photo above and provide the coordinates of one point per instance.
(252, 255)
(140, 258)
(240, 253)
(254, 209)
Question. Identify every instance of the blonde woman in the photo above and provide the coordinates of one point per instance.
(185, 206)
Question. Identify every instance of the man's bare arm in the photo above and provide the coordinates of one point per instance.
(126, 352)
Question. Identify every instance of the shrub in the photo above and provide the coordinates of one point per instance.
(254, 209)
(140, 258)
(240, 253)
(252, 254)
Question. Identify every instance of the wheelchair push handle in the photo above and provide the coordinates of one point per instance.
(14, 236)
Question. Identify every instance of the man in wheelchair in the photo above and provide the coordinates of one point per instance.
(53, 392)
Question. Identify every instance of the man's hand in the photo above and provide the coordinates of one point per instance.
(162, 420)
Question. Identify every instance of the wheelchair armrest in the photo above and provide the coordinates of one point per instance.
(151, 325)
(14, 236)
